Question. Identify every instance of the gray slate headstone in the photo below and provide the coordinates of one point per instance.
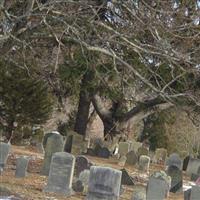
(104, 183)
(54, 144)
(158, 186)
(126, 178)
(81, 164)
(132, 158)
(61, 174)
(175, 160)
(21, 166)
(187, 194)
(103, 153)
(4, 151)
(144, 162)
(193, 166)
(176, 178)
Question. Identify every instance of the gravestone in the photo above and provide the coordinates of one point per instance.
(74, 143)
(175, 160)
(84, 176)
(122, 161)
(46, 136)
(176, 178)
(135, 146)
(193, 166)
(104, 183)
(195, 193)
(61, 174)
(158, 186)
(103, 153)
(132, 158)
(144, 162)
(78, 186)
(81, 164)
(4, 151)
(139, 193)
(142, 151)
(54, 144)
(185, 162)
(187, 194)
(126, 178)
(124, 148)
(160, 156)
(21, 166)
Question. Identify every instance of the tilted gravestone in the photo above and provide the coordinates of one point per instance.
(160, 156)
(175, 160)
(81, 164)
(158, 186)
(126, 178)
(104, 183)
(54, 144)
(142, 151)
(193, 166)
(61, 174)
(21, 166)
(124, 148)
(185, 162)
(144, 162)
(4, 151)
(176, 178)
(132, 158)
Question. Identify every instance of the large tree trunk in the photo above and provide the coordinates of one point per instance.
(84, 104)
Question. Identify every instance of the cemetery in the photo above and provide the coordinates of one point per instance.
(100, 100)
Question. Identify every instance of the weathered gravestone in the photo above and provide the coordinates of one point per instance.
(139, 193)
(81, 164)
(21, 166)
(144, 162)
(4, 151)
(104, 183)
(185, 162)
(46, 136)
(175, 160)
(176, 178)
(142, 151)
(54, 144)
(135, 146)
(124, 148)
(132, 158)
(195, 193)
(103, 153)
(193, 166)
(74, 143)
(187, 194)
(126, 178)
(160, 156)
(61, 174)
(158, 186)
(122, 161)
(84, 178)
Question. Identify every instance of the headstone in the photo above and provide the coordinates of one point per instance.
(132, 158)
(97, 148)
(74, 143)
(158, 186)
(4, 151)
(176, 178)
(139, 193)
(54, 144)
(144, 162)
(193, 166)
(122, 161)
(84, 176)
(142, 151)
(187, 194)
(81, 164)
(78, 186)
(46, 136)
(103, 153)
(135, 146)
(185, 162)
(195, 193)
(21, 166)
(124, 148)
(160, 156)
(61, 174)
(126, 178)
(175, 160)
(104, 183)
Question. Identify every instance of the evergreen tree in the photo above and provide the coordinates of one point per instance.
(24, 98)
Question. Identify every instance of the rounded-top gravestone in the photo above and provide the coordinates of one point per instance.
(132, 158)
(21, 166)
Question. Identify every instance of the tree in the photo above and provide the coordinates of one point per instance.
(24, 99)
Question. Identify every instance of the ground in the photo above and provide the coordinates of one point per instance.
(31, 187)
